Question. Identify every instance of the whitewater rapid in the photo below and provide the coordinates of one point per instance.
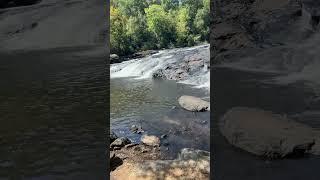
(143, 68)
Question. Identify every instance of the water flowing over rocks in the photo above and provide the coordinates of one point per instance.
(186, 65)
(266, 134)
(70, 23)
(195, 104)
(279, 36)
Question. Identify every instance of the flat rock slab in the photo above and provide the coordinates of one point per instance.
(195, 104)
(264, 133)
(192, 164)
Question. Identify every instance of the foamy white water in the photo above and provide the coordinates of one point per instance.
(145, 67)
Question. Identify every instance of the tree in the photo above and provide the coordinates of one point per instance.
(170, 4)
(182, 28)
(118, 37)
(161, 25)
(202, 22)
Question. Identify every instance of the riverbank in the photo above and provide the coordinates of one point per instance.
(148, 158)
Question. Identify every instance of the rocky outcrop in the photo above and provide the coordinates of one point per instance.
(195, 104)
(191, 164)
(267, 134)
(244, 28)
(185, 67)
(119, 143)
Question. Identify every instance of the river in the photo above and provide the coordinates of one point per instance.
(138, 99)
(53, 114)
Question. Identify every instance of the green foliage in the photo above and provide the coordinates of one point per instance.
(161, 24)
(152, 24)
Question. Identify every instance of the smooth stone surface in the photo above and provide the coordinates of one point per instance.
(264, 133)
(195, 104)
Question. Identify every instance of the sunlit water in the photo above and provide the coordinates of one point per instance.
(137, 99)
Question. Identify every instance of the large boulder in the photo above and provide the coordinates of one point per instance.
(267, 134)
(195, 104)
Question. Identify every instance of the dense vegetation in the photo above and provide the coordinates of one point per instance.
(154, 24)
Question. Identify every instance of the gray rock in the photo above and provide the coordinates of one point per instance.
(195, 104)
(136, 129)
(267, 134)
(114, 58)
(120, 142)
(163, 136)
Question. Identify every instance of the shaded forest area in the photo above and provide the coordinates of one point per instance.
(138, 25)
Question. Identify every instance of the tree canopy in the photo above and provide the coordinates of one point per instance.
(155, 24)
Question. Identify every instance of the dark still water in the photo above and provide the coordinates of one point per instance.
(250, 89)
(53, 114)
(153, 104)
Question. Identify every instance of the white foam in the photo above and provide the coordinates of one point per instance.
(144, 67)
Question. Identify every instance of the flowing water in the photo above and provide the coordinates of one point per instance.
(138, 99)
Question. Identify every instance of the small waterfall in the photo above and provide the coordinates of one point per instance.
(177, 59)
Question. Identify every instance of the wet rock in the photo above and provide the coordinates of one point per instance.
(136, 129)
(150, 140)
(267, 134)
(189, 153)
(195, 104)
(114, 58)
(159, 74)
(163, 136)
(246, 26)
(120, 142)
(112, 136)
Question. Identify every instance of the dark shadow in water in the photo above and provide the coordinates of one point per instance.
(53, 121)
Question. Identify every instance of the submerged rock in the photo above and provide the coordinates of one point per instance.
(136, 129)
(150, 140)
(267, 134)
(192, 103)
